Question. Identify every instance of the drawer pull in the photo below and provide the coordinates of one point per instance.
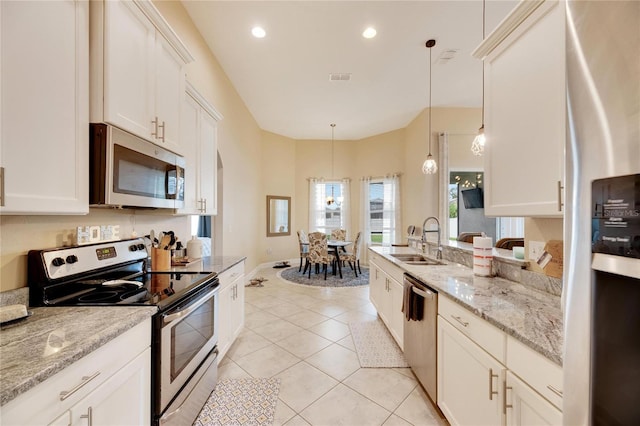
(504, 397)
(85, 379)
(554, 390)
(88, 416)
(491, 391)
(464, 323)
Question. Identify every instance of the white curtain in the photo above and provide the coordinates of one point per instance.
(397, 210)
(345, 208)
(317, 199)
(365, 219)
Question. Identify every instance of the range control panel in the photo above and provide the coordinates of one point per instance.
(67, 261)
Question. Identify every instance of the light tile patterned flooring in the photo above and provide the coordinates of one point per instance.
(301, 335)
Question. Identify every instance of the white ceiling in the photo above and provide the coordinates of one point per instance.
(284, 78)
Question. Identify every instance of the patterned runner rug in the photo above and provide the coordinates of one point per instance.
(348, 277)
(246, 402)
(375, 345)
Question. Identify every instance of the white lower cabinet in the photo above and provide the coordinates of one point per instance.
(385, 292)
(231, 314)
(482, 373)
(469, 391)
(524, 406)
(121, 400)
(109, 386)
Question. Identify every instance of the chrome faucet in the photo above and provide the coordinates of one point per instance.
(424, 231)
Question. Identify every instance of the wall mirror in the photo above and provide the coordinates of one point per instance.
(278, 216)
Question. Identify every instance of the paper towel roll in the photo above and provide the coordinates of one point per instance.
(482, 256)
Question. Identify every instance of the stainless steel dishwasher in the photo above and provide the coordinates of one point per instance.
(420, 336)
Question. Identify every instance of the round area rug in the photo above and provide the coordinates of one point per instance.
(317, 280)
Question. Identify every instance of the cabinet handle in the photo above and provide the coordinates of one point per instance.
(88, 416)
(560, 203)
(155, 126)
(204, 210)
(554, 390)
(85, 379)
(464, 323)
(376, 273)
(491, 391)
(1, 186)
(504, 397)
(162, 126)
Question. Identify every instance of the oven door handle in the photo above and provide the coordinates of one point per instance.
(167, 319)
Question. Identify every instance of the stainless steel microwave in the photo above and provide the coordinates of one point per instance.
(127, 171)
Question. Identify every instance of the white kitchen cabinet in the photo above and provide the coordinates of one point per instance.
(524, 406)
(44, 89)
(199, 136)
(121, 400)
(386, 293)
(231, 297)
(137, 71)
(469, 379)
(111, 384)
(525, 111)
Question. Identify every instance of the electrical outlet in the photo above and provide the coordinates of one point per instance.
(536, 249)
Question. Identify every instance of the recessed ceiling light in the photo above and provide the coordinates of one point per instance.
(369, 33)
(258, 32)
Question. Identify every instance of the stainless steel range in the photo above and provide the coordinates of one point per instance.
(184, 333)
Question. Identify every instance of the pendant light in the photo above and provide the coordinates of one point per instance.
(429, 167)
(331, 199)
(477, 146)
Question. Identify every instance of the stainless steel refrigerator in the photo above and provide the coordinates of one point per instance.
(601, 297)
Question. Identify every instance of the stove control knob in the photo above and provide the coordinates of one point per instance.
(58, 261)
(72, 258)
(133, 247)
(141, 246)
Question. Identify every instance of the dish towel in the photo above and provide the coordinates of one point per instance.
(412, 304)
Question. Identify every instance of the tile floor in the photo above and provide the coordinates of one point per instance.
(301, 335)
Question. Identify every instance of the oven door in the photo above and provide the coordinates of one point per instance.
(188, 333)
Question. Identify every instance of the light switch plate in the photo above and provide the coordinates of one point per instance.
(536, 249)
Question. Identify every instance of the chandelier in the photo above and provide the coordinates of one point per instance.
(429, 167)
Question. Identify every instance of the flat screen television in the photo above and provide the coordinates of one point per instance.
(473, 198)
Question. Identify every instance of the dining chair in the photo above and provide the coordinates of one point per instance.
(467, 237)
(352, 257)
(303, 242)
(319, 252)
(339, 234)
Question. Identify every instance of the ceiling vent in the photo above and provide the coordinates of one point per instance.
(340, 76)
(447, 55)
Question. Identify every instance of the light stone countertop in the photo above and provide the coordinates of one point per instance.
(26, 356)
(532, 317)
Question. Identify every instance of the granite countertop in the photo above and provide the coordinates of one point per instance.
(27, 356)
(533, 317)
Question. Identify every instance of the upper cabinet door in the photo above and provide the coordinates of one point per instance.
(208, 163)
(169, 93)
(525, 112)
(44, 147)
(129, 69)
(137, 71)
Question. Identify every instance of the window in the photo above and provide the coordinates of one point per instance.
(325, 216)
(382, 210)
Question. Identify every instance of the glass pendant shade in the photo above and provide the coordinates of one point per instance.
(477, 146)
(429, 166)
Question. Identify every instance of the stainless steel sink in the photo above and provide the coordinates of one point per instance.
(416, 259)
